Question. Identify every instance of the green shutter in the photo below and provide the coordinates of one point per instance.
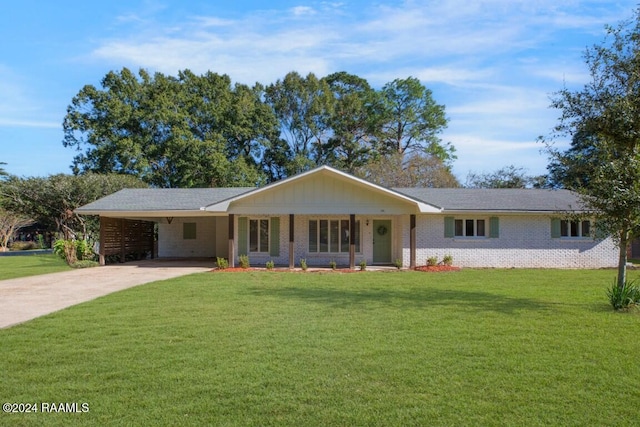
(494, 227)
(448, 226)
(274, 237)
(555, 228)
(242, 235)
(189, 230)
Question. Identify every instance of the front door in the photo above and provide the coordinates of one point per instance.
(381, 241)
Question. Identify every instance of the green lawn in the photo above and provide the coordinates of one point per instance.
(476, 347)
(30, 265)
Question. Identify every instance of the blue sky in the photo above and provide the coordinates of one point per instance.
(493, 64)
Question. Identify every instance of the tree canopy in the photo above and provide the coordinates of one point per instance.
(51, 201)
(603, 122)
(202, 130)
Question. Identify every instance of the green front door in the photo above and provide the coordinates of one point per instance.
(381, 241)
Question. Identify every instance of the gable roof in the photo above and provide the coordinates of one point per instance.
(497, 199)
(321, 172)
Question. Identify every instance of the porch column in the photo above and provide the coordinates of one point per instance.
(412, 241)
(292, 261)
(352, 241)
(232, 262)
(101, 250)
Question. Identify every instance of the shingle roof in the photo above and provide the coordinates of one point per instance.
(162, 199)
(496, 199)
(449, 199)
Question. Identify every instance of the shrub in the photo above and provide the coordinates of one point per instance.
(431, 261)
(447, 260)
(625, 297)
(333, 264)
(270, 265)
(398, 263)
(24, 246)
(363, 265)
(244, 261)
(303, 264)
(222, 263)
(85, 263)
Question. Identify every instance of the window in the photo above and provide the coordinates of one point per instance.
(462, 227)
(469, 228)
(189, 230)
(331, 236)
(575, 228)
(258, 235)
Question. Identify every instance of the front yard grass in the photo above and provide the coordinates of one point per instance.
(476, 347)
(15, 266)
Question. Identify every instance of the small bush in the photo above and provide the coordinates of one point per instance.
(24, 246)
(625, 297)
(447, 260)
(431, 261)
(398, 263)
(244, 261)
(222, 263)
(270, 265)
(333, 264)
(303, 264)
(363, 265)
(85, 263)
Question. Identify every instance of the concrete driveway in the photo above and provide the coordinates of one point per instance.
(30, 297)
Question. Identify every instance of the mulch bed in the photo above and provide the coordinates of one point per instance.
(437, 268)
(423, 268)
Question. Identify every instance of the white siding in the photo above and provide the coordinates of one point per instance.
(321, 195)
(524, 242)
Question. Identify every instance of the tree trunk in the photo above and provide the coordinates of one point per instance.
(622, 259)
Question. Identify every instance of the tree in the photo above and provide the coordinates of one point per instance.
(412, 120)
(412, 170)
(302, 106)
(505, 177)
(603, 121)
(353, 122)
(51, 201)
(10, 223)
(168, 131)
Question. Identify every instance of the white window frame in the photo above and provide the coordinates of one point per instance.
(568, 226)
(259, 238)
(341, 249)
(474, 235)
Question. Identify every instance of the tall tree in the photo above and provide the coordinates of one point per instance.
(302, 106)
(353, 122)
(413, 120)
(410, 170)
(603, 121)
(170, 132)
(505, 177)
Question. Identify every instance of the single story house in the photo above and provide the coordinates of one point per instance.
(325, 215)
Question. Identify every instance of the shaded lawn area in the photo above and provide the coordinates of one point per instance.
(12, 267)
(476, 347)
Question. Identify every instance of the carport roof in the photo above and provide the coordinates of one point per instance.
(160, 199)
